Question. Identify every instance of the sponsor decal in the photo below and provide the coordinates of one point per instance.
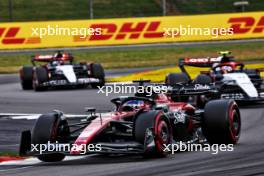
(201, 87)
(202, 60)
(8, 36)
(247, 24)
(235, 96)
(131, 30)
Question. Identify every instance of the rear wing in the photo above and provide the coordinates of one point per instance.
(260, 69)
(49, 58)
(199, 62)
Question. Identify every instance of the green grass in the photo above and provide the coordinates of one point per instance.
(126, 8)
(32, 10)
(8, 153)
(131, 58)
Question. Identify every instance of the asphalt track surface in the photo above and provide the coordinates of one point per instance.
(246, 159)
(136, 46)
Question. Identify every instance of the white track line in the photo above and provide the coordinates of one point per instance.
(13, 169)
(34, 161)
(28, 161)
(20, 116)
(17, 116)
(120, 83)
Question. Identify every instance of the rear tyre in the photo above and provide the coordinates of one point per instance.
(177, 78)
(40, 76)
(98, 72)
(203, 79)
(26, 77)
(50, 127)
(161, 128)
(221, 123)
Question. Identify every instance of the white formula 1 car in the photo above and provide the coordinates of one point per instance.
(231, 79)
(59, 71)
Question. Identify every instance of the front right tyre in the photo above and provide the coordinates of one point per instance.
(161, 129)
(50, 128)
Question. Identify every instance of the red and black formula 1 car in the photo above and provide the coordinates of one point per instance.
(231, 77)
(59, 70)
(138, 125)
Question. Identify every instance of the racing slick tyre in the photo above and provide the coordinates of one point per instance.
(50, 128)
(203, 79)
(155, 123)
(98, 72)
(221, 123)
(177, 78)
(40, 76)
(26, 77)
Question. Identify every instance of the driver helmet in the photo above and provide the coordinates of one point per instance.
(226, 69)
(135, 104)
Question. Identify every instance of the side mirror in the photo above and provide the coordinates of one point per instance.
(90, 110)
(92, 115)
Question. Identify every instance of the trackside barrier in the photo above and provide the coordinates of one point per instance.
(125, 31)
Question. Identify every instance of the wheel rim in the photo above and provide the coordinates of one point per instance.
(162, 135)
(235, 125)
(35, 81)
(54, 131)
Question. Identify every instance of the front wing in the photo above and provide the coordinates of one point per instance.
(242, 97)
(64, 82)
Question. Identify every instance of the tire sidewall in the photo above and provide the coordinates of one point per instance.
(217, 122)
